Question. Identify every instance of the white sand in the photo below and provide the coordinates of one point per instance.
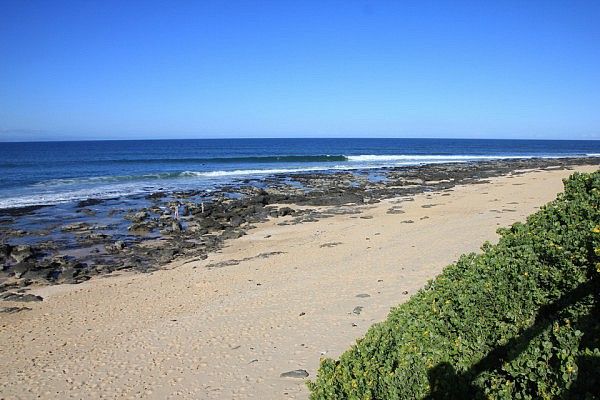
(194, 332)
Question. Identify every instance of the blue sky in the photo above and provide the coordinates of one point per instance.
(184, 69)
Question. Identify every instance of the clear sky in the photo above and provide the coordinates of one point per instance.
(183, 69)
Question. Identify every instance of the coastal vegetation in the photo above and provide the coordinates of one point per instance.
(521, 320)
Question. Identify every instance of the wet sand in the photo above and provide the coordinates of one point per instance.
(275, 300)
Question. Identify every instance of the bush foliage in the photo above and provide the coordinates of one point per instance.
(519, 321)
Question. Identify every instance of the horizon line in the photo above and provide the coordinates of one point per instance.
(298, 138)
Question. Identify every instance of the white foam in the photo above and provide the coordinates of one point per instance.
(425, 158)
(242, 172)
(86, 180)
(51, 198)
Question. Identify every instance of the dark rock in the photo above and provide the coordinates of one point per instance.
(13, 310)
(77, 226)
(176, 226)
(231, 234)
(186, 245)
(197, 230)
(156, 196)
(65, 275)
(97, 236)
(357, 310)
(394, 210)
(137, 217)
(262, 199)
(336, 199)
(5, 250)
(89, 202)
(236, 221)
(363, 295)
(185, 210)
(269, 254)
(142, 227)
(210, 223)
(114, 212)
(115, 247)
(283, 211)
(20, 211)
(21, 253)
(87, 211)
(20, 297)
(167, 255)
(20, 269)
(330, 244)
(297, 373)
(226, 263)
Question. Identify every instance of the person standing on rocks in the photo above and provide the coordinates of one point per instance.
(176, 213)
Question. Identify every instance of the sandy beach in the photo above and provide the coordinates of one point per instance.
(273, 301)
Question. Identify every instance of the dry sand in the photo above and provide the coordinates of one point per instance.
(230, 330)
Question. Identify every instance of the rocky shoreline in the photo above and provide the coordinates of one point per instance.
(103, 236)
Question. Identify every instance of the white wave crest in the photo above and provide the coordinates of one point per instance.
(426, 158)
(242, 172)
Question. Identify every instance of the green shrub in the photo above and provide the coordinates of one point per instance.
(519, 321)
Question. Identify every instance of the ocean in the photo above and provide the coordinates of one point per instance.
(39, 173)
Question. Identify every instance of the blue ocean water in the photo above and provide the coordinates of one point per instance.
(58, 172)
